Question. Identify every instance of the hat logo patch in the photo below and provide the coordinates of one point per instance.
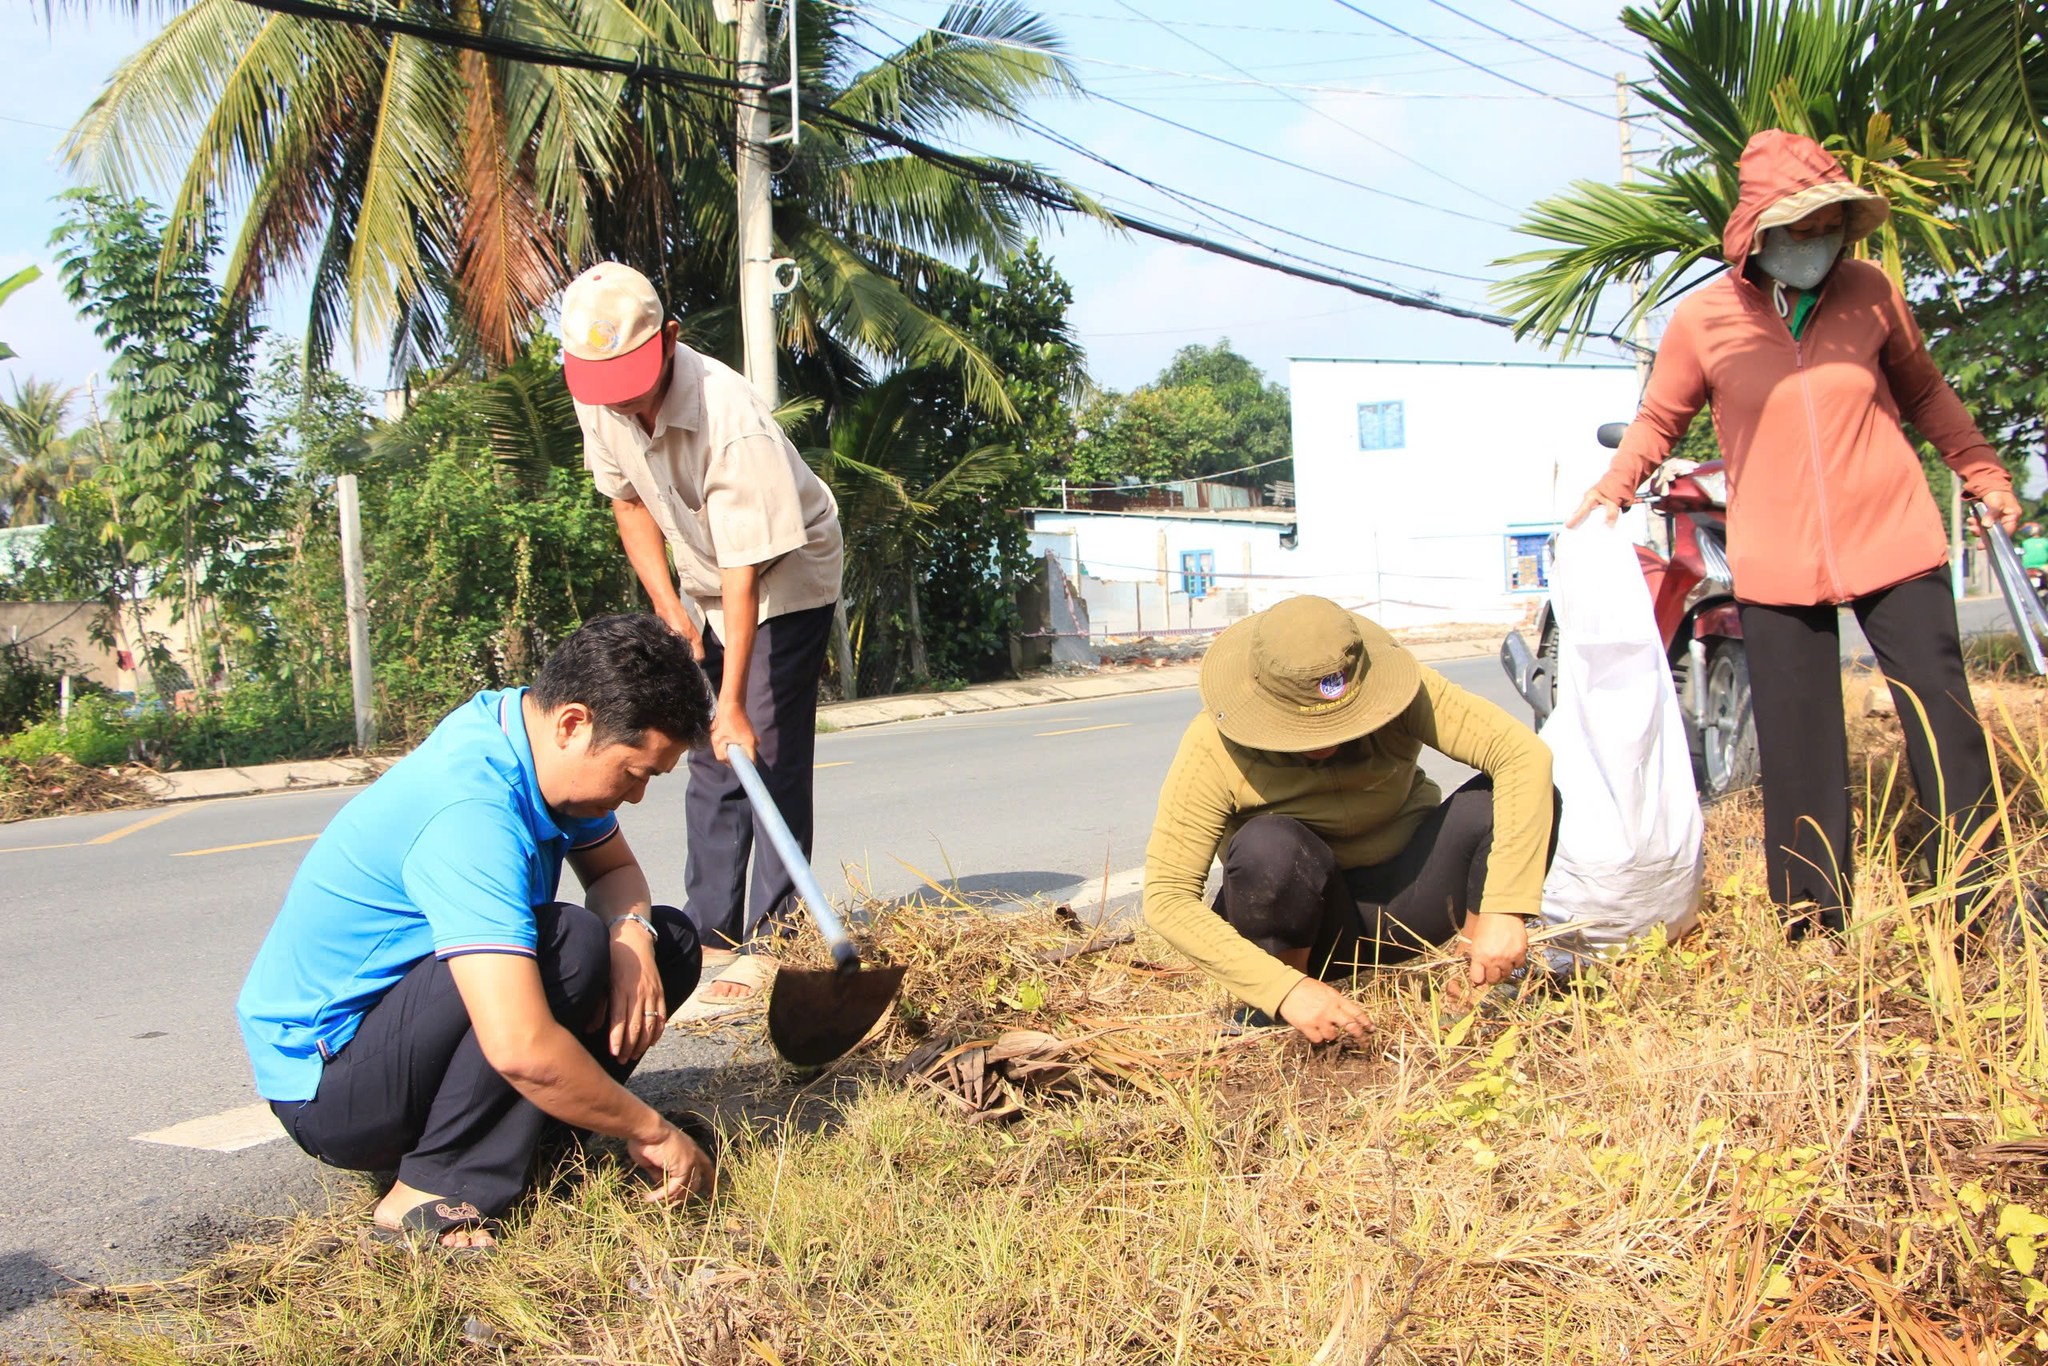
(603, 336)
(1331, 686)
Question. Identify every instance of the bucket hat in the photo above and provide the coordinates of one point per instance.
(1305, 674)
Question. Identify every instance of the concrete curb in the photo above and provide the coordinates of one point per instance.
(306, 774)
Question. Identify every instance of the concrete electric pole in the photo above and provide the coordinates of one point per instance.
(356, 601)
(1641, 331)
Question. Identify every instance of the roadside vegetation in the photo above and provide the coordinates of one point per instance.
(1727, 1149)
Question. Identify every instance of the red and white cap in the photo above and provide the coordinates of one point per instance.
(611, 334)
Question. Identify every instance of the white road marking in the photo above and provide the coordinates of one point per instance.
(230, 1131)
(1098, 891)
(1083, 730)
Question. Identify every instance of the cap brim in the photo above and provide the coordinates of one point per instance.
(616, 379)
(1248, 716)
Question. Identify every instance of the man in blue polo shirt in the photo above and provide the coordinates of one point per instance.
(424, 1003)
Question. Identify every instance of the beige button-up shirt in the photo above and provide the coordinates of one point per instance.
(726, 488)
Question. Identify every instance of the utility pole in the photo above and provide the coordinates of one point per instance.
(1635, 279)
(756, 204)
(357, 600)
(763, 274)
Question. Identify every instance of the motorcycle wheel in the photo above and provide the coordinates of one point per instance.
(1728, 755)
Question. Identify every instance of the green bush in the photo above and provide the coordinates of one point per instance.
(98, 734)
(29, 684)
(254, 722)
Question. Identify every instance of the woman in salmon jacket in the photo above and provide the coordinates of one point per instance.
(1811, 362)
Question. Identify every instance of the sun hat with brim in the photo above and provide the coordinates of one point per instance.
(1863, 211)
(612, 345)
(1305, 674)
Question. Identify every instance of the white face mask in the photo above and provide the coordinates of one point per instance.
(1800, 264)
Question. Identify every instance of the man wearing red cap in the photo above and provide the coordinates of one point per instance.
(697, 468)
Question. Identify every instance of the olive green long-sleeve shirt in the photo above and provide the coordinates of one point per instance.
(1365, 801)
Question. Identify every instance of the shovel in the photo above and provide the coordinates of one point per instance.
(814, 1014)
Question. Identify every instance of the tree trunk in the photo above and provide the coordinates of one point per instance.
(920, 664)
(842, 647)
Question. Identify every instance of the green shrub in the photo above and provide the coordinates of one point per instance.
(98, 734)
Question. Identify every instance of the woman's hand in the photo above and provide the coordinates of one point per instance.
(2004, 507)
(1595, 498)
(1496, 946)
(1320, 1012)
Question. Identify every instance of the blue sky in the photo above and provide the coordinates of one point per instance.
(1441, 156)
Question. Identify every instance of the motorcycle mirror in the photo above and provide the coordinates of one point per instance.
(1610, 434)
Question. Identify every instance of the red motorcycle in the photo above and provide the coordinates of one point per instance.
(1691, 589)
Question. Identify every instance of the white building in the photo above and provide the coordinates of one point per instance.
(1427, 490)
(1160, 570)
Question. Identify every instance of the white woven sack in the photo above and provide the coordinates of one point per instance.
(1628, 851)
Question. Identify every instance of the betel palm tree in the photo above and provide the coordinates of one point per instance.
(38, 461)
(1938, 104)
(433, 194)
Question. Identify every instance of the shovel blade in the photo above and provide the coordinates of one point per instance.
(816, 1015)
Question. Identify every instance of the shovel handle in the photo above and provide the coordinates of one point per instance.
(768, 818)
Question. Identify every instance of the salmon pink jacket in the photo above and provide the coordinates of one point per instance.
(1826, 497)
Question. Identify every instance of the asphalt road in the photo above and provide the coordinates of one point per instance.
(124, 937)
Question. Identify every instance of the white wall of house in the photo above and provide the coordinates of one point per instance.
(1414, 479)
(1113, 560)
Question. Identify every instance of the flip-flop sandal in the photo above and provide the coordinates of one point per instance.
(751, 970)
(422, 1227)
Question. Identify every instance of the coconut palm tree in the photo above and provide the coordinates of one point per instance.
(37, 460)
(435, 195)
(1938, 104)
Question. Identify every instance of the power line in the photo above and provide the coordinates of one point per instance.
(1591, 37)
(1476, 66)
(997, 175)
(1322, 113)
(1523, 42)
(1188, 199)
(1296, 165)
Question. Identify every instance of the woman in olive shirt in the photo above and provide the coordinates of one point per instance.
(1338, 851)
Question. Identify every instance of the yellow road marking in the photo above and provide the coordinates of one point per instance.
(836, 763)
(252, 844)
(158, 819)
(1083, 730)
(32, 848)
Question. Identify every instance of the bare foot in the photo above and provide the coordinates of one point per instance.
(401, 1198)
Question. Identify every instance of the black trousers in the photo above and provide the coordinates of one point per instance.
(412, 1091)
(1796, 696)
(1282, 888)
(782, 703)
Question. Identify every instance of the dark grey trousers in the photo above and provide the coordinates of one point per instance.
(1795, 682)
(1282, 888)
(782, 703)
(412, 1091)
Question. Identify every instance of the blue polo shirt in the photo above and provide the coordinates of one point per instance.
(446, 854)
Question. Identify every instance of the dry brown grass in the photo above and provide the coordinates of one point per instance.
(1726, 1150)
(59, 785)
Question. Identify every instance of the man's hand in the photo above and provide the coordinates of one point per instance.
(1595, 498)
(1320, 1012)
(677, 619)
(730, 726)
(638, 1010)
(1496, 946)
(682, 1165)
(2004, 507)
